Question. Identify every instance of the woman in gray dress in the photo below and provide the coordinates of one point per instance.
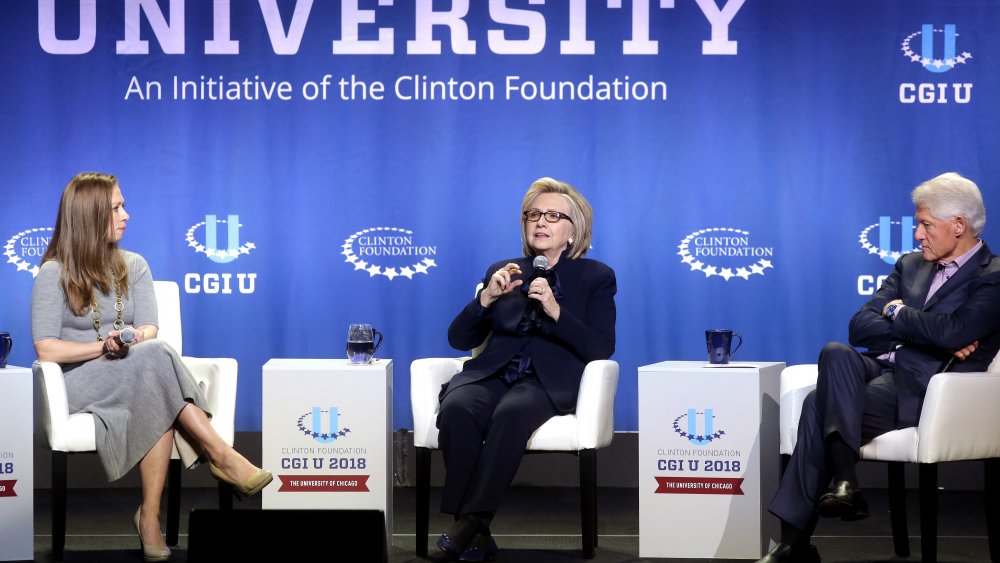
(86, 293)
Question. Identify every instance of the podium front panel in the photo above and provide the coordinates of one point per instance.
(17, 533)
(708, 459)
(327, 435)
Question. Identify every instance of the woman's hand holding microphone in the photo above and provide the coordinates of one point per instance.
(117, 343)
(501, 284)
(541, 291)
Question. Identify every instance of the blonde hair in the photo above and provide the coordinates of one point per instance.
(80, 241)
(580, 213)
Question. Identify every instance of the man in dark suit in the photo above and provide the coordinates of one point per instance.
(543, 328)
(938, 310)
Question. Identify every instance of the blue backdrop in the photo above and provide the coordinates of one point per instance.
(749, 166)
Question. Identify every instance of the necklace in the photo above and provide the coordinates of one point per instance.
(95, 312)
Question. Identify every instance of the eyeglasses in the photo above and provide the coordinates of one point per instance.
(550, 216)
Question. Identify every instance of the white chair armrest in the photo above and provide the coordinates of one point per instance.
(595, 405)
(960, 418)
(217, 378)
(427, 375)
(796, 382)
(51, 404)
(54, 426)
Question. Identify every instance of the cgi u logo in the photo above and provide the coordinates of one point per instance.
(705, 436)
(927, 47)
(885, 233)
(232, 239)
(317, 425)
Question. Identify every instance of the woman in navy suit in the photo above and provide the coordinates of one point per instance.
(544, 325)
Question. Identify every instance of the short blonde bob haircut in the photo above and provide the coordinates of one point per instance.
(580, 213)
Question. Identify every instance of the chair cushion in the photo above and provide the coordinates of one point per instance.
(80, 435)
(898, 445)
(558, 434)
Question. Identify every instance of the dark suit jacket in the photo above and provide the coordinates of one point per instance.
(965, 309)
(560, 350)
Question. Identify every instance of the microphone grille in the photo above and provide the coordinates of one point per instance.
(127, 335)
(540, 262)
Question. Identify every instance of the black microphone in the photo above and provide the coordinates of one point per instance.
(540, 264)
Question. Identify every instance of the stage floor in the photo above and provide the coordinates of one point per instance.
(534, 525)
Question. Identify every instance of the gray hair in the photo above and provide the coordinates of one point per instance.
(951, 195)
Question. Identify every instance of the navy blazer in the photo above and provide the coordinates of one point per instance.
(965, 309)
(560, 350)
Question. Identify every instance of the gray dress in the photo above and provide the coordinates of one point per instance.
(134, 400)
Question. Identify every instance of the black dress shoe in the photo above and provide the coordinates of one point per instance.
(458, 536)
(481, 548)
(843, 501)
(784, 553)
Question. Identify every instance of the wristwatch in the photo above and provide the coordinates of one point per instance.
(890, 311)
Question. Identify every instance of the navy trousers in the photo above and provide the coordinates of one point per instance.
(854, 397)
(484, 427)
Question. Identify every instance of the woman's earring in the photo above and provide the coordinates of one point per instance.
(570, 241)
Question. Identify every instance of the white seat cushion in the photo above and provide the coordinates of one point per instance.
(898, 445)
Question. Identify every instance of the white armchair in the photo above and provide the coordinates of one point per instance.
(796, 383)
(66, 433)
(959, 421)
(581, 433)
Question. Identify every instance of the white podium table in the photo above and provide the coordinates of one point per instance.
(708, 459)
(327, 435)
(17, 491)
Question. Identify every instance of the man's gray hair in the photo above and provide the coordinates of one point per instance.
(952, 195)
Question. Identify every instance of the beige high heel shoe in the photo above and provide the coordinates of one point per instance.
(250, 487)
(150, 554)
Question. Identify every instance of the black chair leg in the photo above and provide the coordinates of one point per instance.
(928, 512)
(423, 469)
(992, 486)
(173, 501)
(588, 500)
(897, 509)
(58, 504)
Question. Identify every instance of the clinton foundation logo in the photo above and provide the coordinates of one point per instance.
(888, 239)
(688, 427)
(938, 52)
(328, 467)
(24, 250)
(704, 470)
(389, 251)
(724, 252)
(311, 424)
(219, 240)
